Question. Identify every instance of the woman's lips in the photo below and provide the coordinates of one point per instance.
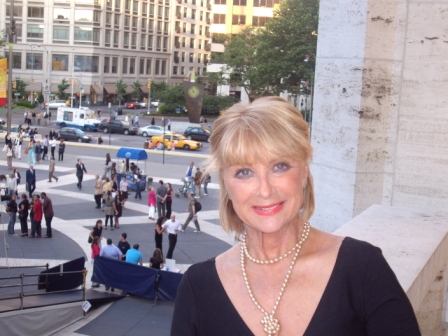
(268, 210)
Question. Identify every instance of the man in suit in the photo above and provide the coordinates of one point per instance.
(51, 171)
(31, 180)
(52, 134)
(80, 170)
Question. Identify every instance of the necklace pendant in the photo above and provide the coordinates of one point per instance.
(271, 325)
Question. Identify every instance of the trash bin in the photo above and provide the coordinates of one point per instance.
(149, 182)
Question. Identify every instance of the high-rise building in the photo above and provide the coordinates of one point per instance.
(98, 42)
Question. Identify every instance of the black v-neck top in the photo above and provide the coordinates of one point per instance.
(362, 297)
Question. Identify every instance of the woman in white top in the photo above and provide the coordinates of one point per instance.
(52, 143)
(9, 155)
(11, 183)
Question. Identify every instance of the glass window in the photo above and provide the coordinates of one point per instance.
(86, 63)
(87, 15)
(144, 21)
(142, 41)
(61, 33)
(117, 20)
(193, 14)
(144, 9)
(134, 22)
(134, 40)
(157, 69)
(199, 58)
(107, 37)
(219, 18)
(165, 27)
(106, 64)
(124, 69)
(220, 2)
(160, 12)
(35, 31)
(163, 68)
(192, 43)
(151, 25)
(142, 66)
(117, 4)
(182, 70)
(239, 2)
(175, 70)
(126, 40)
(34, 61)
(16, 60)
(127, 20)
(132, 66)
(159, 26)
(116, 38)
(135, 7)
(61, 13)
(238, 19)
(114, 64)
(36, 12)
(151, 10)
(59, 62)
(108, 18)
(148, 66)
(159, 43)
(260, 20)
(193, 28)
(127, 5)
(150, 42)
(165, 43)
(87, 34)
(167, 13)
(191, 58)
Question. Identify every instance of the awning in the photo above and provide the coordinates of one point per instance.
(129, 89)
(144, 89)
(132, 153)
(110, 88)
(35, 87)
(54, 89)
(97, 89)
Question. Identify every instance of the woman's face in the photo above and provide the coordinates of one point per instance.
(267, 197)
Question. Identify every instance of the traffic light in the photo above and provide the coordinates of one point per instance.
(14, 85)
(149, 83)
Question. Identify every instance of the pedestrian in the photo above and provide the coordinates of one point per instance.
(31, 181)
(25, 117)
(99, 113)
(124, 190)
(107, 166)
(9, 155)
(38, 151)
(152, 203)
(153, 121)
(197, 182)
(11, 208)
(172, 227)
(39, 117)
(61, 150)
(95, 253)
(45, 118)
(113, 169)
(98, 191)
(169, 124)
(28, 120)
(33, 114)
(11, 183)
(52, 143)
(109, 209)
(18, 145)
(45, 148)
(132, 119)
(158, 232)
(47, 207)
(161, 197)
(207, 180)
(136, 121)
(192, 214)
(137, 179)
(134, 256)
(112, 252)
(123, 245)
(189, 174)
(31, 152)
(37, 217)
(17, 176)
(97, 231)
(24, 206)
(156, 260)
(169, 200)
(107, 186)
(118, 210)
(80, 170)
(52, 134)
(51, 169)
(99, 139)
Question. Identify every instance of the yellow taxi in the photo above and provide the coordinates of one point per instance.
(178, 140)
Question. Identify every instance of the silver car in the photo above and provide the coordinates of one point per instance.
(150, 131)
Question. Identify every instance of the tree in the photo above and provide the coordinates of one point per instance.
(136, 89)
(215, 104)
(172, 97)
(158, 89)
(20, 87)
(287, 46)
(61, 89)
(121, 90)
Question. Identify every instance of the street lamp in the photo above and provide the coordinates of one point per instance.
(48, 70)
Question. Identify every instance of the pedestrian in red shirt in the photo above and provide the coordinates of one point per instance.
(37, 208)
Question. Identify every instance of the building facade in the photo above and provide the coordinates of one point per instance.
(95, 43)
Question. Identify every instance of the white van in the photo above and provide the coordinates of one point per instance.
(78, 118)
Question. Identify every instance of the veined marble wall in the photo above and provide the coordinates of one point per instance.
(380, 122)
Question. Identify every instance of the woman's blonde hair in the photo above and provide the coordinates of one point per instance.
(269, 128)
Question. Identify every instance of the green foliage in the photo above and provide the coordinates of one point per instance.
(216, 104)
(136, 89)
(172, 97)
(61, 89)
(215, 79)
(26, 104)
(40, 97)
(121, 90)
(20, 87)
(157, 89)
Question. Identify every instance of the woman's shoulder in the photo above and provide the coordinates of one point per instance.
(202, 272)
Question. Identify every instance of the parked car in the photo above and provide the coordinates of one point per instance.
(54, 104)
(73, 134)
(2, 121)
(132, 105)
(197, 133)
(155, 103)
(116, 126)
(151, 130)
(142, 104)
(180, 141)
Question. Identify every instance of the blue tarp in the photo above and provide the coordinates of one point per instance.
(132, 154)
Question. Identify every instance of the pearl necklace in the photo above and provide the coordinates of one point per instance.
(284, 255)
(270, 324)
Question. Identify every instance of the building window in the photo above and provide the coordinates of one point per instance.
(134, 40)
(148, 66)
(16, 60)
(117, 4)
(86, 63)
(201, 16)
(132, 66)
(160, 13)
(142, 66)
(126, 40)
(87, 34)
(165, 43)
(151, 25)
(159, 43)
(106, 64)
(182, 70)
(157, 69)
(264, 3)
(175, 70)
(193, 28)
(239, 2)
(183, 56)
(142, 41)
(220, 2)
(34, 61)
(193, 14)
(159, 26)
(219, 18)
(117, 20)
(200, 30)
(107, 37)
(127, 21)
(135, 7)
(199, 58)
(163, 67)
(108, 18)
(134, 22)
(61, 33)
(124, 69)
(165, 27)
(35, 31)
(127, 5)
(144, 24)
(116, 38)
(36, 12)
(191, 59)
(60, 13)
(184, 42)
(260, 20)
(167, 13)
(114, 65)
(59, 62)
(87, 15)
(185, 12)
(192, 43)
(151, 10)
(144, 9)
(238, 19)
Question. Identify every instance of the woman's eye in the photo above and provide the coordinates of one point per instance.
(279, 167)
(242, 173)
